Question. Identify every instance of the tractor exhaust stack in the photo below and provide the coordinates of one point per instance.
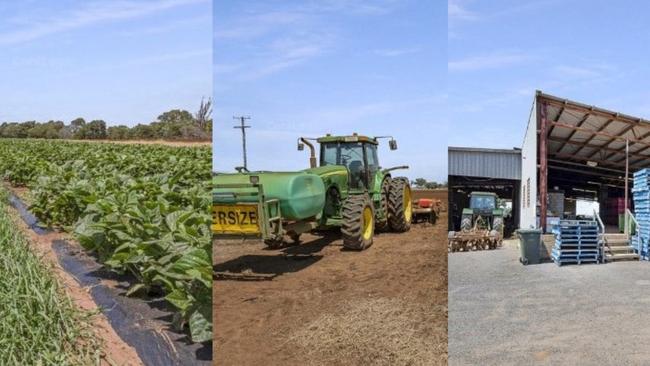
(312, 151)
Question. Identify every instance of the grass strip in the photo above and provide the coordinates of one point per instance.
(39, 324)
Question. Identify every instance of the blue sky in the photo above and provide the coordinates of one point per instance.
(307, 68)
(124, 61)
(500, 52)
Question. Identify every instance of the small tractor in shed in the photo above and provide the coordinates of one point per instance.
(481, 225)
(347, 190)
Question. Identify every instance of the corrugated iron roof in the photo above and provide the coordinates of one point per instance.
(484, 162)
(580, 133)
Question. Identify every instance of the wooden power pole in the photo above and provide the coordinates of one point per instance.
(243, 127)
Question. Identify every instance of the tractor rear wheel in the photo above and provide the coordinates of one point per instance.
(400, 206)
(382, 225)
(358, 226)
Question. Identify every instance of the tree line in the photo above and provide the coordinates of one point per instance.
(423, 183)
(176, 124)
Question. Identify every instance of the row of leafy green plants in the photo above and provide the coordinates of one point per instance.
(142, 209)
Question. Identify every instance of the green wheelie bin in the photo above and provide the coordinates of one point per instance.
(529, 245)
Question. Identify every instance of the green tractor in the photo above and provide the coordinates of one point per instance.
(347, 190)
(481, 225)
(483, 212)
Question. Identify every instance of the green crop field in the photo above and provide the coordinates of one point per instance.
(143, 209)
(40, 324)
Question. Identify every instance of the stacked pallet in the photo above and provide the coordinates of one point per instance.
(576, 241)
(641, 196)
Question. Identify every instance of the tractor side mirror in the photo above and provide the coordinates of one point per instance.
(392, 144)
(301, 146)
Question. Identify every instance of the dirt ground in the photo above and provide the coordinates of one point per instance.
(318, 304)
(114, 350)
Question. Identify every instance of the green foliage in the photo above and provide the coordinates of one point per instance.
(423, 183)
(144, 209)
(176, 124)
(420, 182)
(40, 324)
(94, 130)
(120, 132)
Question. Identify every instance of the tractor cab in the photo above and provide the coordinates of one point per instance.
(483, 203)
(357, 153)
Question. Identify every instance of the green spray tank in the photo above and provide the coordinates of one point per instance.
(301, 194)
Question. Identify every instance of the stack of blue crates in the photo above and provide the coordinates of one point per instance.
(576, 241)
(641, 196)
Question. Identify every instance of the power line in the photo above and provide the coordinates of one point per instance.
(243, 127)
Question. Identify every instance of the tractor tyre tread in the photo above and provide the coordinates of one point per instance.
(352, 223)
(396, 217)
(385, 191)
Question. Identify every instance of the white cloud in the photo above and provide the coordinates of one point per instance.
(285, 53)
(456, 11)
(172, 56)
(492, 61)
(394, 52)
(282, 38)
(498, 100)
(355, 7)
(87, 15)
(258, 25)
(360, 114)
(198, 21)
(225, 68)
(587, 71)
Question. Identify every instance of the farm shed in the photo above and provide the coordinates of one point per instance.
(486, 170)
(576, 152)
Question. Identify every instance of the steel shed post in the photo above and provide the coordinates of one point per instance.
(543, 167)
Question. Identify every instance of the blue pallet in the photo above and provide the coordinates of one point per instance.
(575, 256)
(576, 247)
(576, 238)
(565, 244)
(557, 251)
(576, 230)
(563, 256)
(641, 198)
(578, 261)
(576, 241)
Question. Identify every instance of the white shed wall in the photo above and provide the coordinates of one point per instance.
(528, 189)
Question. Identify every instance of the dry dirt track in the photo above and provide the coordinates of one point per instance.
(324, 305)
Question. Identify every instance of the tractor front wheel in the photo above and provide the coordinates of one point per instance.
(497, 224)
(400, 206)
(466, 223)
(358, 226)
